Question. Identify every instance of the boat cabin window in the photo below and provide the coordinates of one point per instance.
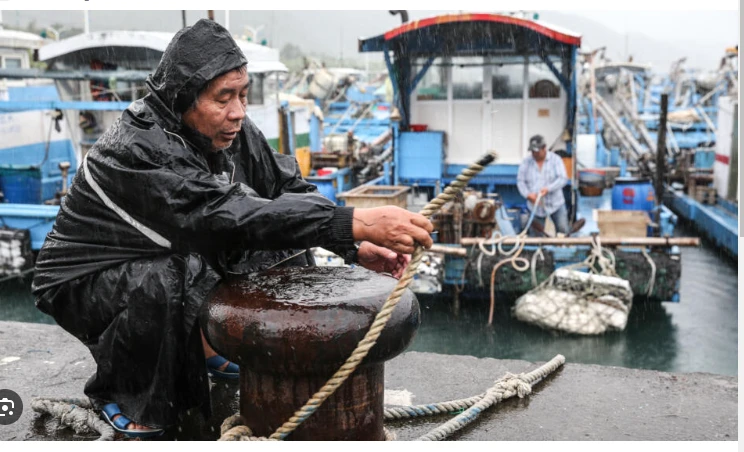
(507, 81)
(467, 78)
(11, 62)
(433, 86)
(543, 83)
(256, 89)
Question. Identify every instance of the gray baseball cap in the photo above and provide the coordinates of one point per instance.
(536, 143)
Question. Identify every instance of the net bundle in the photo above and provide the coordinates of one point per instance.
(577, 302)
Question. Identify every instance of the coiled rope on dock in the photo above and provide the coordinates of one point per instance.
(80, 415)
(76, 413)
(508, 386)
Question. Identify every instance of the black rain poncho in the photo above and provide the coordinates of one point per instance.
(132, 296)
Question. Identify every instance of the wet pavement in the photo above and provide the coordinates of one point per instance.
(579, 402)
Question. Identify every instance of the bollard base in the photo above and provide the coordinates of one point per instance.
(353, 413)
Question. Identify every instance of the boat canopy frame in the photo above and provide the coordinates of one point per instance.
(499, 37)
(138, 52)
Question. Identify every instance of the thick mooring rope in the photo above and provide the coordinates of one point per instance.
(509, 386)
(77, 413)
(383, 316)
(232, 429)
(652, 278)
(512, 254)
(432, 409)
(452, 406)
(504, 388)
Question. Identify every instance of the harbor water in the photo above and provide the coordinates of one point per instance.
(699, 334)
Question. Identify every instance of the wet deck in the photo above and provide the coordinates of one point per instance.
(580, 402)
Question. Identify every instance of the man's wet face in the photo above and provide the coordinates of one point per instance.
(220, 109)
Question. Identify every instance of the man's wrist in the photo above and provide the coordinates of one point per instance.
(352, 256)
(342, 225)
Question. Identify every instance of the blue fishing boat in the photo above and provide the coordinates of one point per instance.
(355, 148)
(706, 192)
(466, 84)
(619, 118)
(462, 85)
(37, 157)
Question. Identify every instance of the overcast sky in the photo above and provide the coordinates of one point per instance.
(655, 37)
(705, 26)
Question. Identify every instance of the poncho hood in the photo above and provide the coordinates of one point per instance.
(196, 55)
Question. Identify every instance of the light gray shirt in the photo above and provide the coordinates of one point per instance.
(530, 179)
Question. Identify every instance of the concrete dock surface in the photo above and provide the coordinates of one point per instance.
(578, 402)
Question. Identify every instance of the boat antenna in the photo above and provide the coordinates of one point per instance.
(403, 14)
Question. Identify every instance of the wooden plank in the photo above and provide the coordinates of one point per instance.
(451, 250)
(608, 241)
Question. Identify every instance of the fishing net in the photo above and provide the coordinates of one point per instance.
(579, 302)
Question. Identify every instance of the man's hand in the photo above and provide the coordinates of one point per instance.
(382, 260)
(543, 191)
(532, 197)
(393, 228)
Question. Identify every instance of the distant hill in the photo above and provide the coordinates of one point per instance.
(644, 49)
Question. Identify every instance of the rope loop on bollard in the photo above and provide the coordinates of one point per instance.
(387, 309)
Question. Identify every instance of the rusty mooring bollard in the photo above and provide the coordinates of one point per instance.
(290, 329)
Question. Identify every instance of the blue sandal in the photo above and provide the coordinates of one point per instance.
(121, 422)
(231, 372)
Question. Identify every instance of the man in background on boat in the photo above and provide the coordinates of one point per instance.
(179, 193)
(542, 175)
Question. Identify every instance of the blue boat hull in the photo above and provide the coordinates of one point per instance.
(715, 222)
(38, 219)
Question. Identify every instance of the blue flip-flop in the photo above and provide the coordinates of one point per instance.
(231, 372)
(121, 422)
